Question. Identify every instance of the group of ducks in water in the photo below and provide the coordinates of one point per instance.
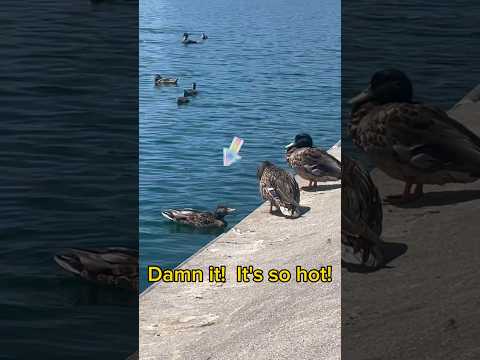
(409, 141)
(181, 100)
(187, 93)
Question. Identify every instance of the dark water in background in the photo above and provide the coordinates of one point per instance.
(270, 69)
(435, 44)
(68, 164)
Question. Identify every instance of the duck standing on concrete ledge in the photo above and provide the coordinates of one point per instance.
(197, 218)
(362, 217)
(114, 266)
(415, 143)
(279, 188)
(312, 164)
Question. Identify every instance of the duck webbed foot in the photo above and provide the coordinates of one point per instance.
(407, 195)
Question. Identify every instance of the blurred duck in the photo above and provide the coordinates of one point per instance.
(279, 188)
(204, 36)
(197, 218)
(311, 163)
(362, 217)
(159, 80)
(113, 266)
(191, 92)
(181, 100)
(415, 143)
(186, 40)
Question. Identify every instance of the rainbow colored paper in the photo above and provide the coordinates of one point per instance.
(230, 155)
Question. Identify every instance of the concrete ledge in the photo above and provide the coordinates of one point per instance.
(254, 320)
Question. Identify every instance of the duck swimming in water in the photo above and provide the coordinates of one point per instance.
(279, 188)
(181, 100)
(186, 40)
(311, 163)
(191, 92)
(199, 219)
(412, 142)
(113, 266)
(362, 217)
(159, 80)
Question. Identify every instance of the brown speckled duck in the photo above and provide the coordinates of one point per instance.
(113, 266)
(312, 163)
(197, 218)
(362, 217)
(415, 143)
(279, 188)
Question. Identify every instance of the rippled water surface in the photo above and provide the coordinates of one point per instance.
(68, 162)
(270, 69)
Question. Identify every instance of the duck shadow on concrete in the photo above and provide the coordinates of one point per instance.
(302, 210)
(441, 198)
(390, 251)
(319, 188)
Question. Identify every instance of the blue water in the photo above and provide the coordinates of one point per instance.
(269, 70)
(68, 163)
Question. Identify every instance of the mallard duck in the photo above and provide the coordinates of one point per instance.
(186, 40)
(412, 142)
(159, 80)
(362, 217)
(183, 99)
(279, 188)
(114, 266)
(191, 92)
(197, 218)
(312, 164)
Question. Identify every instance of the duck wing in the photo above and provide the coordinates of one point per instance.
(116, 266)
(426, 138)
(316, 162)
(189, 216)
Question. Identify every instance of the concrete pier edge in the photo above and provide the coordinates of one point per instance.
(232, 321)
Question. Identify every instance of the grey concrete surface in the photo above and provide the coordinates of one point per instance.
(255, 321)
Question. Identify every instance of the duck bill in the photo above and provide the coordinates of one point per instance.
(289, 146)
(361, 98)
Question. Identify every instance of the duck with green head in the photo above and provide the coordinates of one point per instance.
(409, 141)
(312, 163)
